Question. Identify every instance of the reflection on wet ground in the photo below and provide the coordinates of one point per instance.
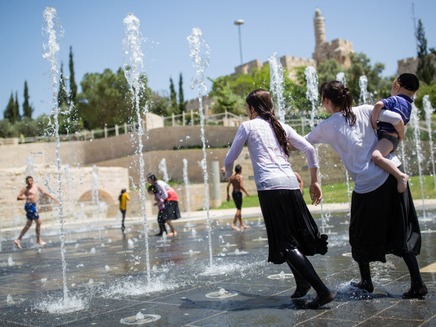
(107, 282)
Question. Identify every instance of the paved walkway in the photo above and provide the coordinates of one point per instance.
(202, 277)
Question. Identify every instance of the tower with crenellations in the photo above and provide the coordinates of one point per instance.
(337, 49)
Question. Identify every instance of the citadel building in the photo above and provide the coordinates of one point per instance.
(337, 49)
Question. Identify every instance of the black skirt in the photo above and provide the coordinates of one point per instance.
(383, 222)
(289, 225)
(172, 210)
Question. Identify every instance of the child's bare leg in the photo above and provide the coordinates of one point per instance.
(235, 220)
(381, 151)
(241, 223)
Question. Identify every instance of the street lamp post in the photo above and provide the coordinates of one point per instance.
(238, 23)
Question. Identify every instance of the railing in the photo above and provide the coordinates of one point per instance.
(301, 124)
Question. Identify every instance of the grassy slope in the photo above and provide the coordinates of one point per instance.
(337, 193)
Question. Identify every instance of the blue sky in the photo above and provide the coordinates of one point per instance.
(382, 29)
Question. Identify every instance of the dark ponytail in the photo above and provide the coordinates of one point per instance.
(261, 101)
(340, 97)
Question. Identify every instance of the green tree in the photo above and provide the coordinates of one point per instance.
(425, 89)
(229, 92)
(8, 113)
(106, 100)
(378, 87)
(328, 70)
(16, 114)
(27, 127)
(73, 85)
(425, 70)
(62, 93)
(182, 102)
(225, 99)
(173, 97)
(27, 108)
(7, 129)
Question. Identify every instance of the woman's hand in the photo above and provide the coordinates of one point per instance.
(315, 193)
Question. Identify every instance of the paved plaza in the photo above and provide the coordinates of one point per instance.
(203, 277)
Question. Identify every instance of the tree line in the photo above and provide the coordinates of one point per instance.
(105, 98)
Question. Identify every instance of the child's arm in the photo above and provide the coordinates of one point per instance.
(375, 112)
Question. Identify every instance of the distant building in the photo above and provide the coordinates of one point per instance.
(410, 65)
(338, 49)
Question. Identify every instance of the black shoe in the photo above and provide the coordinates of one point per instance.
(416, 293)
(123, 228)
(158, 234)
(301, 291)
(319, 301)
(365, 285)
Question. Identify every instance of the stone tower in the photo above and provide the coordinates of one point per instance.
(319, 28)
(338, 49)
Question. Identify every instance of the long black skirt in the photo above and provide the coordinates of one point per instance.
(289, 225)
(383, 222)
(171, 211)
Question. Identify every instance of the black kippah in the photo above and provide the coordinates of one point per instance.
(409, 81)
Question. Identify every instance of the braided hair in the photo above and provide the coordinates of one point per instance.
(261, 101)
(340, 97)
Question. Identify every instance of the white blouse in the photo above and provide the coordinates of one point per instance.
(272, 169)
(355, 144)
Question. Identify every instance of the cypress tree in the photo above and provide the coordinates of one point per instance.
(9, 111)
(16, 115)
(173, 97)
(27, 108)
(73, 85)
(62, 94)
(425, 70)
(182, 103)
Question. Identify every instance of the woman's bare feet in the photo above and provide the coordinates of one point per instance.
(41, 242)
(18, 244)
(402, 183)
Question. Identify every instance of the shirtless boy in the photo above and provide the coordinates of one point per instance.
(236, 180)
(30, 195)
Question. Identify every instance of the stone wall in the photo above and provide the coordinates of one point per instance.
(117, 166)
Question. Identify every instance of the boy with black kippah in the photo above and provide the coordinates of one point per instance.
(403, 90)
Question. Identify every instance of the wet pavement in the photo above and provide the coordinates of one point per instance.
(197, 280)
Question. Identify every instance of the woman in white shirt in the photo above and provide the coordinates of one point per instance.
(383, 221)
(292, 232)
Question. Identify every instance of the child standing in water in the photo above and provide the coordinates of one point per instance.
(123, 198)
(403, 89)
(237, 182)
